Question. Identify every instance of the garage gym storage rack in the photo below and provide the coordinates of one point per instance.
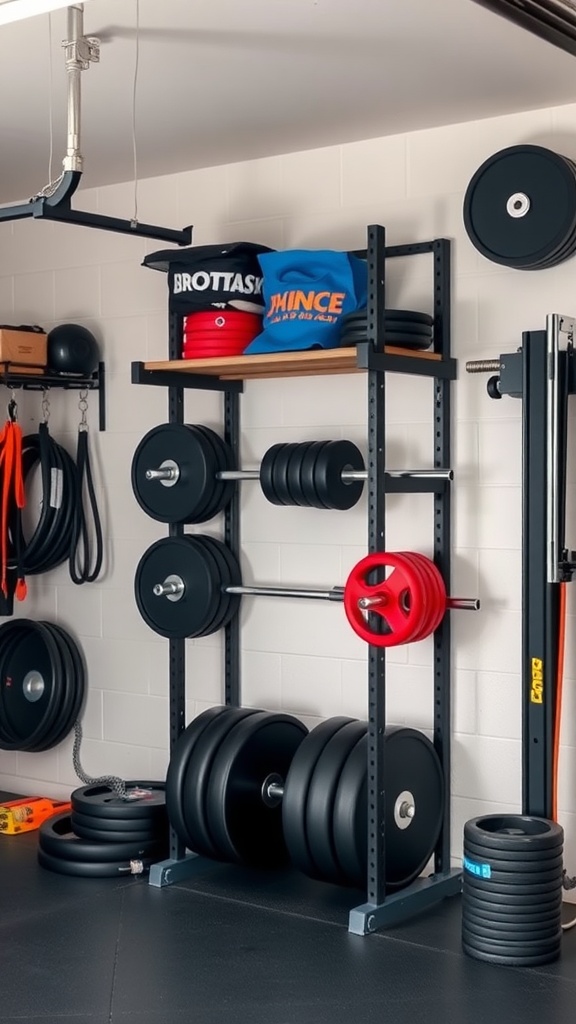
(227, 376)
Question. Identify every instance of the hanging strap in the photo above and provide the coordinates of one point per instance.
(12, 494)
(81, 554)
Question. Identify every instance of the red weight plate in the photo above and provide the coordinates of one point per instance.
(403, 622)
(423, 630)
(436, 592)
(219, 319)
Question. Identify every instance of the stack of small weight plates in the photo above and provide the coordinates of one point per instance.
(407, 328)
(512, 890)
(211, 333)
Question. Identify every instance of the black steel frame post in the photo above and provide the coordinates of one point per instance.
(540, 596)
(376, 866)
(179, 865)
(381, 910)
(232, 656)
(442, 543)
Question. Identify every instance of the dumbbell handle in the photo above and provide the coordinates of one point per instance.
(348, 475)
(174, 587)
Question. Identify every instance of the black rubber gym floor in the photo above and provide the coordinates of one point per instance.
(239, 947)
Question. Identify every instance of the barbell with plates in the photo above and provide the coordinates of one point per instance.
(190, 586)
(520, 208)
(184, 473)
(256, 788)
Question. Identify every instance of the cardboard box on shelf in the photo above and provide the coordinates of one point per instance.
(22, 351)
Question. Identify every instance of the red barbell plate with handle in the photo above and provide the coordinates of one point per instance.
(399, 600)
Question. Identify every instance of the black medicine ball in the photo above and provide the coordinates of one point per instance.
(72, 349)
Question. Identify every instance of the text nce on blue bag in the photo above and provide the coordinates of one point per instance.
(306, 294)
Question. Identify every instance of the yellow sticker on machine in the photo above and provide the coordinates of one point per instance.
(537, 681)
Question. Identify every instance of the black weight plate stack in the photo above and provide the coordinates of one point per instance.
(205, 567)
(177, 769)
(332, 491)
(57, 839)
(229, 576)
(226, 461)
(296, 790)
(244, 821)
(42, 685)
(99, 814)
(280, 474)
(294, 473)
(198, 454)
(308, 472)
(414, 776)
(267, 474)
(404, 327)
(214, 493)
(142, 800)
(320, 801)
(196, 780)
(512, 889)
(193, 613)
(520, 208)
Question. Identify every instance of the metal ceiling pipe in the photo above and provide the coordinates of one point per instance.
(80, 51)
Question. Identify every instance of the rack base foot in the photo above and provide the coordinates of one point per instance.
(423, 893)
(166, 872)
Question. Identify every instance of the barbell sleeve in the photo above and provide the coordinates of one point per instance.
(333, 594)
(483, 366)
(348, 475)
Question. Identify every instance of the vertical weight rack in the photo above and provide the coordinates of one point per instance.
(380, 909)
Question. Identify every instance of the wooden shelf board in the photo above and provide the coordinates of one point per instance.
(281, 364)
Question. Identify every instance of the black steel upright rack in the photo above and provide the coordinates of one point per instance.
(380, 908)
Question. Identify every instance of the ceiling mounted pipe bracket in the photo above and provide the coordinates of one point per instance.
(53, 202)
(57, 207)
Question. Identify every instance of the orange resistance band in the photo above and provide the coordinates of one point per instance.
(12, 487)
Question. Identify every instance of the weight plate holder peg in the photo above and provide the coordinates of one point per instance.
(183, 587)
(520, 208)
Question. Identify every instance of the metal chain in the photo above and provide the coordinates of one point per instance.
(116, 784)
(83, 407)
(45, 405)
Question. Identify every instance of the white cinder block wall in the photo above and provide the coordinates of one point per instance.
(303, 657)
